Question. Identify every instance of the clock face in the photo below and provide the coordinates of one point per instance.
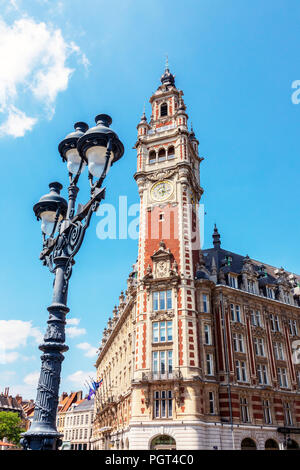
(161, 191)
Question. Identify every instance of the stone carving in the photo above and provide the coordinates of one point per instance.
(162, 315)
(161, 175)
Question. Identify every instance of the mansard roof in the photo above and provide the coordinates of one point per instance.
(235, 265)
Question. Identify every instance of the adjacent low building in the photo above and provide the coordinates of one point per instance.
(75, 420)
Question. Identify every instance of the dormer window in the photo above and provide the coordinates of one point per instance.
(171, 152)
(164, 110)
(228, 260)
(270, 292)
(251, 287)
(152, 157)
(232, 281)
(286, 297)
(162, 155)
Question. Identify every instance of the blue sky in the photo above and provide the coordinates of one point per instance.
(65, 61)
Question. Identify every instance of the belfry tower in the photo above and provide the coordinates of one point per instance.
(168, 180)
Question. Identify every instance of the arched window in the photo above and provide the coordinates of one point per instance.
(171, 152)
(248, 444)
(291, 444)
(163, 442)
(270, 444)
(152, 157)
(161, 155)
(164, 110)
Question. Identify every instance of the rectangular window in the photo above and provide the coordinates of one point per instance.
(282, 377)
(155, 300)
(270, 293)
(232, 281)
(267, 412)
(256, 318)
(259, 347)
(170, 362)
(244, 410)
(155, 329)
(162, 363)
(169, 299)
(169, 331)
(162, 300)
(209, 364)
(170, 404)
(205, 303)
(293, 327)
(278, 350)
(288, 419)
(156, 404)
(162, 331)
(275, 326)
(207, 334)
(238, 342)
(155, 362)
(211, 399)
(241, 371)
(251, 287)
(262, 374)
(235, 313)
(287, 298)
(163, 404)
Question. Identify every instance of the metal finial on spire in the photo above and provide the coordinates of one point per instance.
(144, 118)
(167, 62)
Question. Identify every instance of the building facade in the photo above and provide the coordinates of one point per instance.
(199, 352)
(78, 425)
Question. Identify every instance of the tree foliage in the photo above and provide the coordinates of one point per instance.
(10, 426)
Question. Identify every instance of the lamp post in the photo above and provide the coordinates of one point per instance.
(63, 232)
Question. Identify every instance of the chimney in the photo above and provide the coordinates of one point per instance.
(18, 399)
(79, 395)
(63, 396)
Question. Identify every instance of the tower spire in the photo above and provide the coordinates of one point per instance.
(167, 79)
(216, 238)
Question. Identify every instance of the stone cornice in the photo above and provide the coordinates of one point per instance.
(122, 318)
(249, 295)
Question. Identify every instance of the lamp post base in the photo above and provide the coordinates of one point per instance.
(41, 440)
(41, 437)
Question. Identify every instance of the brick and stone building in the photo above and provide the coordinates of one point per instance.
(78, 422)
(64, 404)
(199, 352)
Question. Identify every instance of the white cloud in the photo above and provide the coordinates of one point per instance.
(73, 321)
(13, 335)
(80, 377)
(7, 358)
(34, 57)
(32, 378)
(17, 123)
(90, 351)
(73, 331)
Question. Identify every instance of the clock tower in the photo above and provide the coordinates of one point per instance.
(168, 181)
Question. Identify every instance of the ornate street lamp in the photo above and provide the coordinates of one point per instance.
(63, 233)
